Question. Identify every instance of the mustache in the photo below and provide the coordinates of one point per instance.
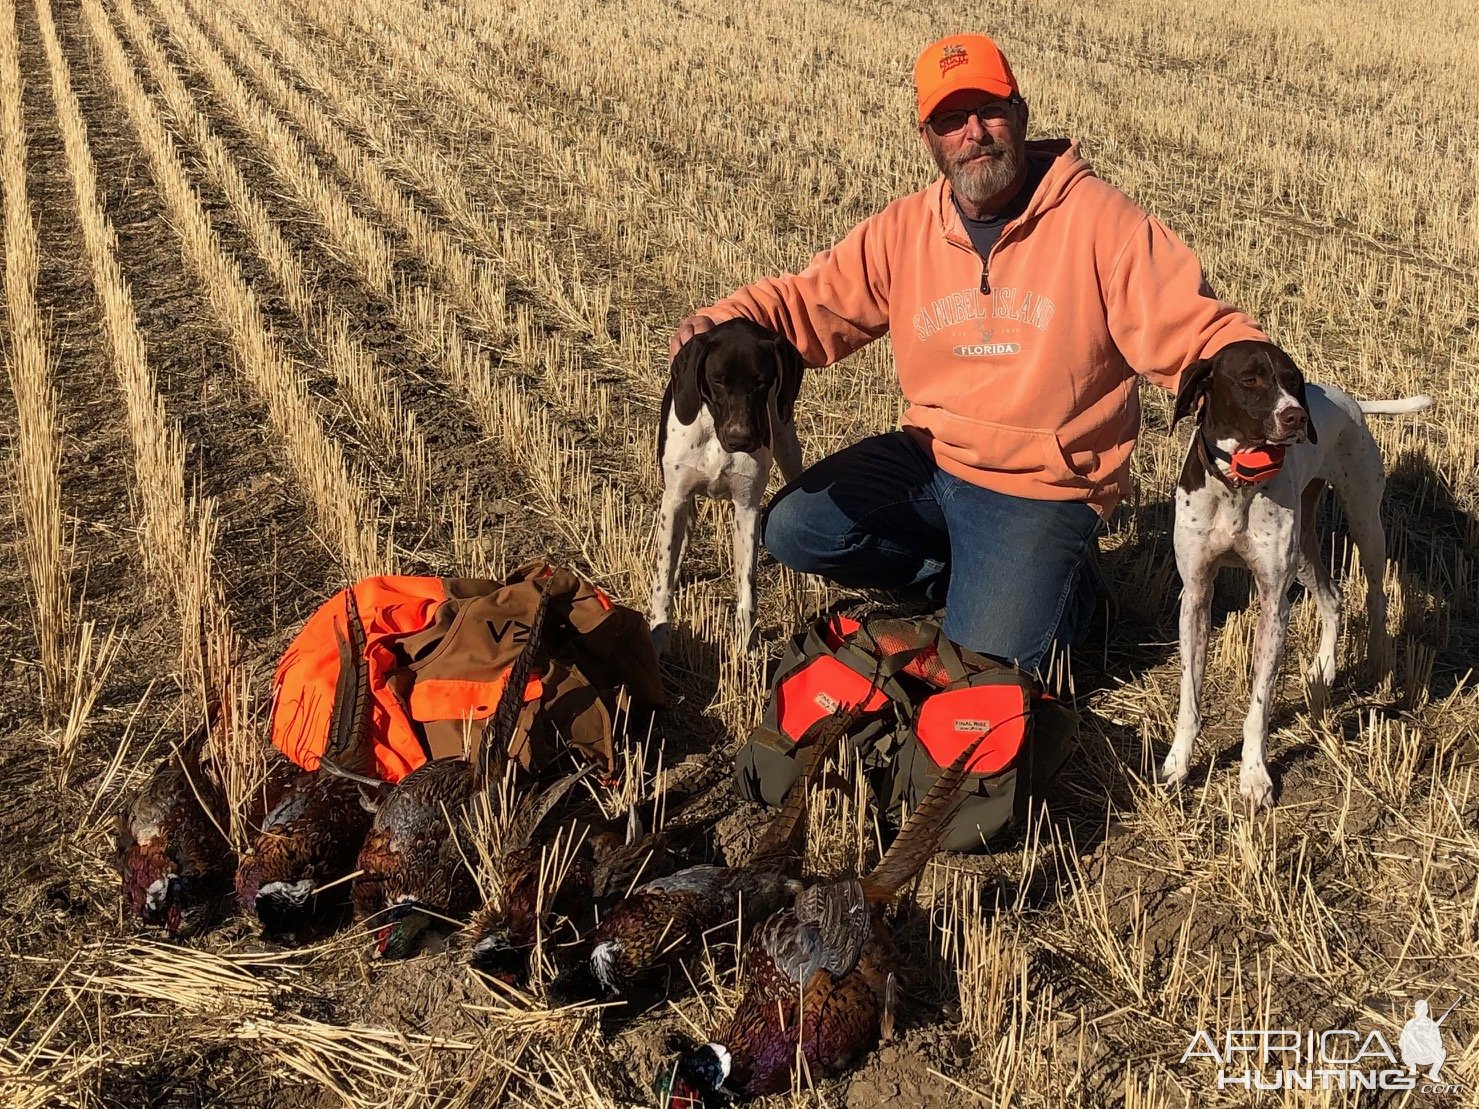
(996, 148)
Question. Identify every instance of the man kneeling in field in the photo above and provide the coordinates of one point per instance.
(1023, 295)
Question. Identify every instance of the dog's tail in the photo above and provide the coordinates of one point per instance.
(1404, 407)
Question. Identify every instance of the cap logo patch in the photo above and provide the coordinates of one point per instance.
(952, 56)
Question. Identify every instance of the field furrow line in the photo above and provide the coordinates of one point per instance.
(626, 203)
(506, 255)
(372, 399)
(30, 369)
(340, 503)
(165, 529)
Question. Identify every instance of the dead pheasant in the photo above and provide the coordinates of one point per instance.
(311, 839)
(603, 868)
(412, 861)
(505, 933)
(172, 849)
(173, 854)
(819, 975)
(665, 922)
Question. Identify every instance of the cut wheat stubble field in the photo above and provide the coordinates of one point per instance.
(299, 291)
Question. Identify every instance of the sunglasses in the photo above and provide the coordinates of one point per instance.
(993, 111)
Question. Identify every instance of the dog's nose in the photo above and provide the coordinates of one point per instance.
(739, 442)
(1292, 421)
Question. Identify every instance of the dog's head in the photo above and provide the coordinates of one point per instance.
(739, 370)
(1248, 391)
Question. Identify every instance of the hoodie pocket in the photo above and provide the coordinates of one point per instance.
(1002, 447)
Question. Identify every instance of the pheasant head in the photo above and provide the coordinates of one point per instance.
(695, 1078)
(397, 935)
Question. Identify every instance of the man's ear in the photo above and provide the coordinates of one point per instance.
(1196, 380)
(788, 370)
(688, 385)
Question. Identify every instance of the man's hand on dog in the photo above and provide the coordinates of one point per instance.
(693, 325)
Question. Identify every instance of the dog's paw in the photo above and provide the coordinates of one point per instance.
(750, 638)
(1175, 769)
(1255, 786)
(746, 631)
(662, 636)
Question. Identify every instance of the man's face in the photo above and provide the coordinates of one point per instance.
(979, 159)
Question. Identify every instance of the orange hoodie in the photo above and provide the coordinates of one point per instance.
(1028, 388)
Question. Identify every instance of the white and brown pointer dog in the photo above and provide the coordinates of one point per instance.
(1265, 449)
(729, 409)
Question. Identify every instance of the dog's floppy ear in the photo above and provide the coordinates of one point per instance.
(1309, 417)
(788, 370)
(1196, 379)
(688, 385)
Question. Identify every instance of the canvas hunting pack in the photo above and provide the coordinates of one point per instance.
(924, 701)
(433, 655)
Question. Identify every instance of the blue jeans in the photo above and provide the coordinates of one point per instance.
(1016, 577)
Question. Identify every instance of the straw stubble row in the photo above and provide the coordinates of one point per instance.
(373, 400)
(176, 535)
(474, 261)
(29, 366)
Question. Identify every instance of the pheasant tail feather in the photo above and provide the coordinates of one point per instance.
(780, 843)
(349, 724)
(521, 833)
(921, 834)
(498, 736)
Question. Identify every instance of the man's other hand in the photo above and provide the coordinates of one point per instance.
(690, 327)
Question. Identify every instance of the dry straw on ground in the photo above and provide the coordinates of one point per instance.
(337, 288)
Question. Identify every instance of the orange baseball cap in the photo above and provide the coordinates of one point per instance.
(960, 62)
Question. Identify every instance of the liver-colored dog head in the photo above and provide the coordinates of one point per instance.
(1249, 392)
(736, 368)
